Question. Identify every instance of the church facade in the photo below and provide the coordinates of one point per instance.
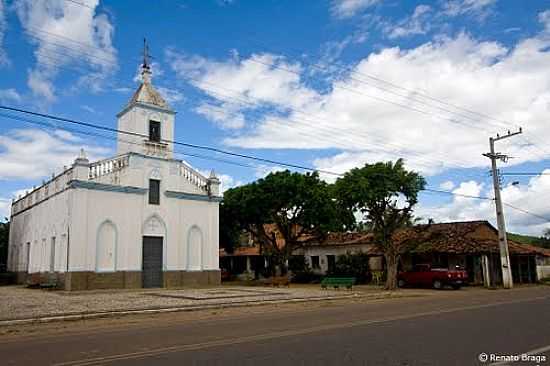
(139, 219)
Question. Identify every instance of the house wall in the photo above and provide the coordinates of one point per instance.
(322, 252)
(543, 267)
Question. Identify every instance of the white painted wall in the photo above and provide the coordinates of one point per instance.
(323, 251)
(35, 228)
(543, 267)
(133, 217)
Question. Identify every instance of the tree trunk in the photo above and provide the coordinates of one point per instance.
(392, 261)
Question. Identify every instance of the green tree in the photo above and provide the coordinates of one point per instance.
(352, 265)
(300, 206)
(385, 193)
(4, 239)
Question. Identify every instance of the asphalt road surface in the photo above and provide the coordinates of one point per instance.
(443, 328)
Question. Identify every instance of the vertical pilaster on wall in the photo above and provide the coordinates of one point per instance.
(81, 167)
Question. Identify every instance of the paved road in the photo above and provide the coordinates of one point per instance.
(445, 328)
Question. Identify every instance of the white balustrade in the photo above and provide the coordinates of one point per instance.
(194, 178)
(46, 190)
(108, 166)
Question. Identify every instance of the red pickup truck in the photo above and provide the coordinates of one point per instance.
(425, 275)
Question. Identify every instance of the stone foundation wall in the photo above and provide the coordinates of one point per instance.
(192, 279)
(79, 281)
(21, 278)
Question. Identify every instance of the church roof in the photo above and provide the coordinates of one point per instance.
(147, 94)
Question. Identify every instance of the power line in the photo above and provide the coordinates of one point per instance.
(525, 174)
(86, 124)
(112, 138)
(330, 132)
(527, 212)
(212, 149)
(79, 3)
(458, 194)
(88, 133)
(413, 93)
(349, 69)
(195, 146)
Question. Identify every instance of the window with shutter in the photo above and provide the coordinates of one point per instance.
(154, 191)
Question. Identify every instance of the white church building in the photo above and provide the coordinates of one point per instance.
(139, 219)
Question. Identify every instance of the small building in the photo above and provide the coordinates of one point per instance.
(473, 245)
(139, 219)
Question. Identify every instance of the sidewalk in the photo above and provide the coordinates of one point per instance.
(20, 305)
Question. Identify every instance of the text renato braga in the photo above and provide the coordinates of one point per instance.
(517, 358)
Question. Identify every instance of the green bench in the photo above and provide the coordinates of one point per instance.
(338, 282)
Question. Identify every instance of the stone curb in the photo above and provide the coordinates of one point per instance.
(106, 314)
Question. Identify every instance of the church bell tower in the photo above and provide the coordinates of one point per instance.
(148, 118)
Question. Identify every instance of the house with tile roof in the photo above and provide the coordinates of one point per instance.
(472, 245)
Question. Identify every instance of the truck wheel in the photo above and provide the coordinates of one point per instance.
(438, 285)
(401, 283)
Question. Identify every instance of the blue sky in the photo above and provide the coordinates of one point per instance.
(331, 84)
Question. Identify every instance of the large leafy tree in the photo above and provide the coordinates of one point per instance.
(300, 207)
(385, 193)
(4, 238)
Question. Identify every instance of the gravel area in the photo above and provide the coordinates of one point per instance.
(22, 303)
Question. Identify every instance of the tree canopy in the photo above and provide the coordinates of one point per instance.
(4, 238)
(385, 193)
(300, 206)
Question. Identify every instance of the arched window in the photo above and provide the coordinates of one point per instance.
(106, 247)
(194, 249)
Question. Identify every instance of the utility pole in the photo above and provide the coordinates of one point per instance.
(502, 240)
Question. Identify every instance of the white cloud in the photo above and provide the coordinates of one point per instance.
(5, 208)
(123, 90)
(240, 85)
(531, 197)
(264, 170)
(32, 153)
(358, 116)
(348, 8)
(447, 185)
(228, 182)
(65, 34)
(10, 96)
(417, 23)
(477, 8)
(544, 19)
(89, 109)
(172, 96)
(156, 72)
(224, 115)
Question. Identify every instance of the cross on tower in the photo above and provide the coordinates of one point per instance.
(146, 55)
(146, 65)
